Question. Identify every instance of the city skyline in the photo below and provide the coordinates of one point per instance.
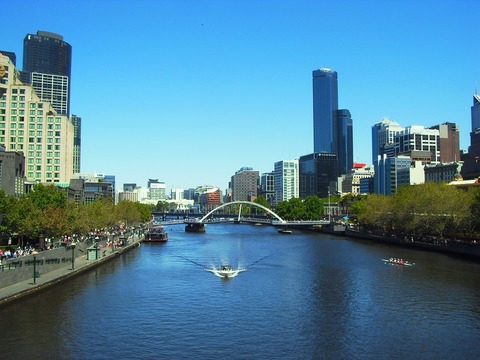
(190, 92)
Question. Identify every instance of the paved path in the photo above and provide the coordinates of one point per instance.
(28, 287)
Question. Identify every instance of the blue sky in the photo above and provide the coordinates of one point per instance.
(191, 91)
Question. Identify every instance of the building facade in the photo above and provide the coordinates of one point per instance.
(77, 142)
(47, 63)
(332, 127)
(244, 184)
(471, 160)
(267, 188)
(318, 174)
(12, 172)
(286, 180)
(32, 126)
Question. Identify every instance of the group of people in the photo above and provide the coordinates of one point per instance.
(397, 261)
(11, 253)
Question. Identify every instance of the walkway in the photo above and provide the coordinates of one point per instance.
(24, 288)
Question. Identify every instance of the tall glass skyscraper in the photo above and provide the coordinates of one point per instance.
(332, 128)
(325, 103)
(47, 63)
(476, 112)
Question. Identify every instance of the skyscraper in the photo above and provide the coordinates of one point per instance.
(332, 127)
(47, 62)
(325, 103)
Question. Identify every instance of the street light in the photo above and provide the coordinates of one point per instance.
(73, 255)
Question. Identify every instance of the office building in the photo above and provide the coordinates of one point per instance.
(47, 61)
(471, 159)
(383, 136)
(286, 180)
(77, 142)
(12, 172)
(156, 190)
(332, 127)
(244, 184)
(449, 142)
(267, 189)
(32, 126)
(352, 180)
(317, 174)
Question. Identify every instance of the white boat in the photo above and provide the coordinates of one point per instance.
(226, 272)
(284, 231)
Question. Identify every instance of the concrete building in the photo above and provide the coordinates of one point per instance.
(77, 142)
(32, 126)
(156, 190)
(389, 175)
(244, 184)
(286, 180)
(443, 172)
(352, 180)
(12, 172)
(267, 188)
(86, 188)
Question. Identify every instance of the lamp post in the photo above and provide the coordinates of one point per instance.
(329, 204)
(73, 255)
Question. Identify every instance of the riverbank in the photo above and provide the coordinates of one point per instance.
(81, 264)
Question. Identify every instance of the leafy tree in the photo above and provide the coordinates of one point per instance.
(261, 200)
(313, 207)
(47, 195)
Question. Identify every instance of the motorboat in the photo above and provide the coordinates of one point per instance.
(225, 271)
(398, 261)
(284, 231)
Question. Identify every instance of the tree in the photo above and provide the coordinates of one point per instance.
(261, 200)
(313, 207)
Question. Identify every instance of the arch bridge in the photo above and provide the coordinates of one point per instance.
(198, 225)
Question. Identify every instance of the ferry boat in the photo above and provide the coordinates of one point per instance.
(156, 234)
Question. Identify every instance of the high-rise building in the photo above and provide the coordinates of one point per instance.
(449, 140)
(267, 189)
(31, 125)
(47, 61)
(471, 165)
(77, 142)
(332, 127)
(318, 174)
(244, 184)
(383, 135)
(476, 112)
(286, 180)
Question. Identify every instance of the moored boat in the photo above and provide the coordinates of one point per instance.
(156, 234)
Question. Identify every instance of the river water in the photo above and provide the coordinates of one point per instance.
(303, 296)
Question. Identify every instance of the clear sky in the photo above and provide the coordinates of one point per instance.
(191, 91)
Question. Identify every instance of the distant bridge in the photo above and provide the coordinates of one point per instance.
(198, 225)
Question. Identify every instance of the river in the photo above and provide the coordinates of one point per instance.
(303, 296)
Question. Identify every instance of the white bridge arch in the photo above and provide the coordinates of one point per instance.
(242, 203)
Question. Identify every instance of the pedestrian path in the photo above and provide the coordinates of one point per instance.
(82, 264)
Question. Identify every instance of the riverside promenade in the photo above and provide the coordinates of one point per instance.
(81, 264)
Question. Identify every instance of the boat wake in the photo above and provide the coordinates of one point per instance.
(225, 271)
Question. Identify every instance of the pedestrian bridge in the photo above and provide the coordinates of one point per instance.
(198, 225)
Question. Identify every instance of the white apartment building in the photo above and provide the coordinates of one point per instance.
(286, 180)
(32, 126)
